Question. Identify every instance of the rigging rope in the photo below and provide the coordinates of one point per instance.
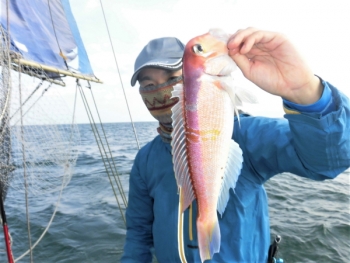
(107, 161)
(116, 177)
(126, 100)
(33, 103)
(28, 98)
(120, 78)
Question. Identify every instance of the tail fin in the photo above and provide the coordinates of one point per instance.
(208, 238)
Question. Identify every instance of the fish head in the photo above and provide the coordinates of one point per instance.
(208, 54)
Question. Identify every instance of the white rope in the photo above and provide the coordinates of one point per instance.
(121, 81)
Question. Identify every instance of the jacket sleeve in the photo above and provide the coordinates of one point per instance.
(139, 219)
(314, 145)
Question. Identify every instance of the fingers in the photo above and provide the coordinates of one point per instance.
(243, 40)
(236, 41)
(243, 62)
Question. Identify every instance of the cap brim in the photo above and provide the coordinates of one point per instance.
(169, 64)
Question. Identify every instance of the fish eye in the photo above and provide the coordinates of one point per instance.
(197, 49)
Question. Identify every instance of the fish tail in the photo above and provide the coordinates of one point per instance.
(208, 238)
(180, 231)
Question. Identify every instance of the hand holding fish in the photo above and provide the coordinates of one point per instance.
(270, 61)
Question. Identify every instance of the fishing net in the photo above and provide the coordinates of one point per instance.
(5, 139)
(38, 134)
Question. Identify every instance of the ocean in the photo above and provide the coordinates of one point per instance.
(313, 218)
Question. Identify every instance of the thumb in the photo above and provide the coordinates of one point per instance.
(243, 63)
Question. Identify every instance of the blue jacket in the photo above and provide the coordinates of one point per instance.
(315, 145)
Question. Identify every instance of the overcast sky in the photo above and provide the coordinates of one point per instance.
(319, 29)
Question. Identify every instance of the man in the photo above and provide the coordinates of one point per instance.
(312, 141)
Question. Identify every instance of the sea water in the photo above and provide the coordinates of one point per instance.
(313, 218)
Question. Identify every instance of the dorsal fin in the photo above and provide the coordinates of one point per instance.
(179, 151)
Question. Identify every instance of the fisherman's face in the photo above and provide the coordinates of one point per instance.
(156, 86)
(155, 76)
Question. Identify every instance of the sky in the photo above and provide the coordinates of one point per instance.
(319, 29)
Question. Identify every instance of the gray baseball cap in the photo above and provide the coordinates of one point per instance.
(163, 53)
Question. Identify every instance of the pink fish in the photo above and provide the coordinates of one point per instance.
(207, 162)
